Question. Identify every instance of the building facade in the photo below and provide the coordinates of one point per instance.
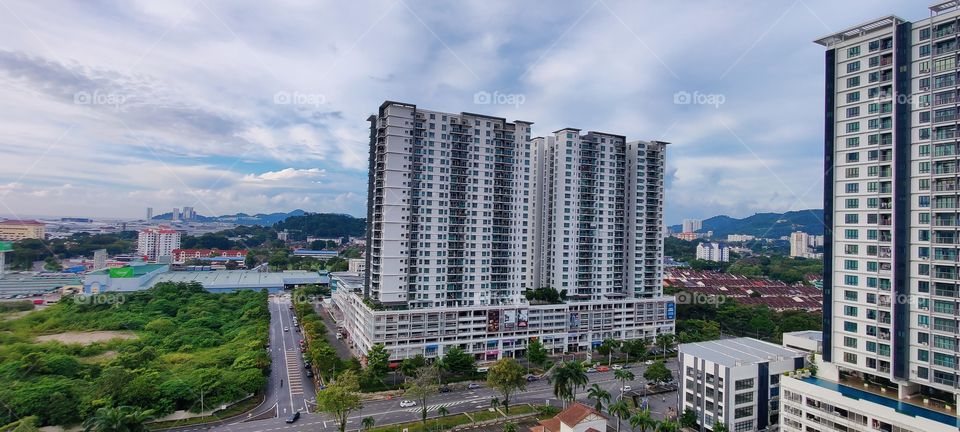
(691, 225)
(890, 260)
(181, 256)
(16, 230)
(712, 251)
(735, 382)
(799, 244)
(157, 243)
(467, 212)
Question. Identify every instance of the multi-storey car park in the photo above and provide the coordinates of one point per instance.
(891, 317)
(466, 212)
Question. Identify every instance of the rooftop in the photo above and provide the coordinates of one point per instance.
(737, 352)
(816, 335)
(230, 279)
(20, 222)
(895, 404)
(138, 270)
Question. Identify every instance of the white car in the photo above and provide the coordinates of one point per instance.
(616, 367)
(648, 362)
(625, 389)
(286, 329)
(407, 403)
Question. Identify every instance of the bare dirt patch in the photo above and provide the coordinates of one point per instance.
(86, 338)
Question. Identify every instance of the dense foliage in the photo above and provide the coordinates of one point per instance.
(190, 343)
(786, 269)
(327, 225)
(700, 322)
(546, 295)
(25, 252)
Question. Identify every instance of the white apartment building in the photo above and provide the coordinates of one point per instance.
(357, 265)
(691, 225)
(466, 212)
(735, 382)
(890, 258)
(799, 244)
(157, 243)
(739, 237)
(712, 251)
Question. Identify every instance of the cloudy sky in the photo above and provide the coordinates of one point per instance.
(107, 107)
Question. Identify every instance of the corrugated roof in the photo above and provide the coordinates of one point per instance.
(737, 351)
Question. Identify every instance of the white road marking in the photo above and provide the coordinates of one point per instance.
(283, 341)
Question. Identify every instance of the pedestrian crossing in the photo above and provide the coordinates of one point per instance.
(293, 372)
(434, 407)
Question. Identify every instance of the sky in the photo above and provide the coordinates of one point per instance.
(109, 107)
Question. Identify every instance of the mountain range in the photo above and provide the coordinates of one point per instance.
(769, 225)
(264, 219)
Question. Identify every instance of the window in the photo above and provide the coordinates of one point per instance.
(850, 358)
(850, 342)
(853, 203)
(855, 50)
(853, 81)
(850, 326)
(851, 249)
(851, 218)
(853, 156)
(853, 142)
(851, 234)
(853, 187)
(853, 66)
(853, 96)
(855, 111)
(743, 384)
(850, 264)
(853, 127)
(850, 311)
(742, 398)
(742, 412)
(850, 280)
(853, 173)
(850, 295)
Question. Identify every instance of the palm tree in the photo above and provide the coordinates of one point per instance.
(599, 395)
(623, 376)
(368, 423)
(566, 377)
(510, 427)
(668, 426)
(443, 411)
(123, 418)
(643, 420)
(621, 410)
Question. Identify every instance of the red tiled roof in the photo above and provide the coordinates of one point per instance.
(575, 413)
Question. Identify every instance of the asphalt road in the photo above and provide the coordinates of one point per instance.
(457, 401)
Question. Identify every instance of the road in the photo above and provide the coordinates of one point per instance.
(457, 401)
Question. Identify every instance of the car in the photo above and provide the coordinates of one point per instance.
(616, 367)
(648, 362)
(445, 389)
(339, 336)
(603, 369)
(309, 373)
(628, 366)
(406, 403)
(291, 307)
(472, 386)
(591, 370)
(294, 417)
(286, 329)
(532, 378)
(483, 369)
(625, 389)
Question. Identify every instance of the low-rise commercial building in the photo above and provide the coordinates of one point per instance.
(181, 256)
(735, 382)
(492, 332)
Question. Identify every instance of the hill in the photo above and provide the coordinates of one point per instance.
(322, 225)
(241, 218)
(770, 225)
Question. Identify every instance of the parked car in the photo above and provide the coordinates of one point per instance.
(625, 389)
(309, 373)
(339, 336)
(532, 378)
(591, 370)
(648, 362)
(444, 389)
(483, 369)
(616, 367)
(294, 417)
(472, 386)
(603, 369)
(406, 403)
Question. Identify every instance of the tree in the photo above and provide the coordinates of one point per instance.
(689, 419)
(599, 396)
(507, 376)
(536, 353)
(643, 420)
(368, 423)
(422, 386)
(668, 426)
(510, 427)
(665, 341)
(340, 398)
(324, 357)
(566, 378)
(456, 361)
(634, 347)
(120, 419)
(719, 427)
(620, 410)
(623, 376)
(442, 412)
(408, 367)
(606, 348)
(658, 372)
(378, 362)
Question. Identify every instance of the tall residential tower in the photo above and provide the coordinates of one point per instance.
(466, 212)
(891, 315)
